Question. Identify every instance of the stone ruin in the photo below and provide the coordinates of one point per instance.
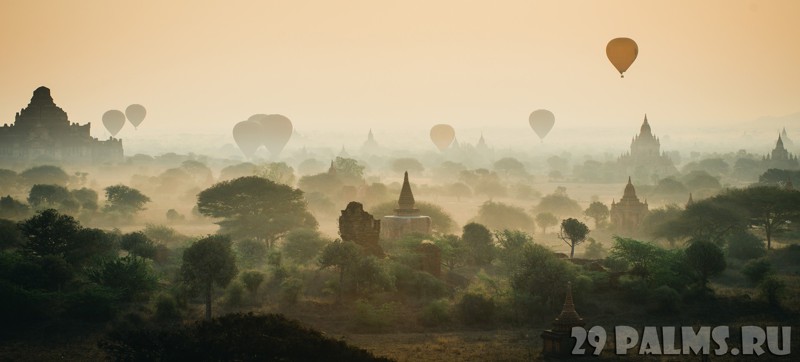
(360, 227)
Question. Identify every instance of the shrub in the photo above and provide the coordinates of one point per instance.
(373, 317)
(96, 304)
(664, 300)
(234, 294)
(474, 308)
(290, 291)
(745, 246)
(757, 270)
(234, 337)
(167, 309)
(772, 289)
(252, 280)
(435, 313)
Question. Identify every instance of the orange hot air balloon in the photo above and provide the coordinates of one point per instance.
(277, 131)
(248, 136)
(542, 122)
(135, 114)
(622, 52)
(113, 120)
(442, 135)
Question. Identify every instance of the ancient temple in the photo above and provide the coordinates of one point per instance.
(558, 341)
(360, 227)
(42, 132)
(370, 146)
(780, 157)
(645, 158)
(628, 213)
(786, 140)
(482, 146)
(406, 219)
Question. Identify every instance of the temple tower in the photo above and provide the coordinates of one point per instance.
(406, 219)
(628, 213)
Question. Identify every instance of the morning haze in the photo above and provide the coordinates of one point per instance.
(417, 180)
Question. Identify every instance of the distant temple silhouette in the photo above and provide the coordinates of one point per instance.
(628, 213)
(786, 140)
(370, 146)
(780, 157)
(645, 158)
(42, 132)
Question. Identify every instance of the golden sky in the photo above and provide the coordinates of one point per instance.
(205, 65)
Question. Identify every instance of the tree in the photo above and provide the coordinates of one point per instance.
(124, 200)
(349, 170)
(745, 246)
(706, 259)
(209, 262)
(510, 166)
(599, 212)
(769, 208)
(778, 178)
(10, 236)
(655, 220)
(511, 244)
(138, 244)
(52, 196)
(498, 216)
(254, 207)
(573, 232)
(278, 172)
(538, 281)
(478, 240)
(252, 280)
(711, 219)
(12, 209)
(302, 245)
(344, 255)
(52, 175)
(454, 251)
(558, 203)
(49, 233)
(130, 277)
(238, 170)
(546, 220)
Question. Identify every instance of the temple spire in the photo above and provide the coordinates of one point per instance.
(691, 201)
(405, 204)
(569, 316)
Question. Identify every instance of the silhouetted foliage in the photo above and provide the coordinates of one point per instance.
(12, 209)
(769, 208)
(573, 232)
(45, 175)
(138, 244)
(546, 220)
(124, 200)
(480, 245)
(499, 216)
(599, 212)
(49, 233)
(254, 207)
(745, 246)
(233, 337)
(559, 204)
(303, 245)
(206, 263)
(130, 278)
(538, 281)
(706, 259)
(476, 308)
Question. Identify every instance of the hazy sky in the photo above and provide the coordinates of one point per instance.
(402, 64)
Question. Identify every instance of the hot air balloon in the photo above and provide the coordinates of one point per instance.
(135, 114)
(277, 131)
(542, 122)
(248, 136)
(113, 120)
(442, 135)
(622, 52)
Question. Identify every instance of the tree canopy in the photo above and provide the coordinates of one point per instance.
(254, 207)
(208, 262)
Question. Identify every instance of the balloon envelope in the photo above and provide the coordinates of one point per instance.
(113, 120)
(542, 122)
(622, 52)
(248, 136)
(442, 135)
(277, 131)
(135, 114)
